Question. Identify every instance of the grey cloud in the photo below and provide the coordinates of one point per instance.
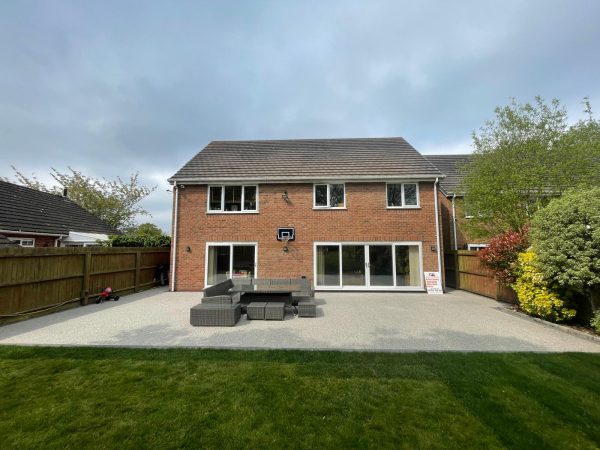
(115, 87)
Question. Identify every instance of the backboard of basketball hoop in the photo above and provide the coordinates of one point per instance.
(285, 234)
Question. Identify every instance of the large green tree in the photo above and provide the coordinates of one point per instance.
(143, 235)
(523, 158)
(114, 201)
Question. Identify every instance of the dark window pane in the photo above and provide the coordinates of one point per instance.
(410, 194)
(243, 261)
(328, 265)
(321, 195)
(353, 265)
(381, 265)
(394, 195)
(215, 198)
(336, 193)
(249, 198)
(233, 198)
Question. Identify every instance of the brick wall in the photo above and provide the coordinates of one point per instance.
(40, 241)
(462, 235)
(365, 219)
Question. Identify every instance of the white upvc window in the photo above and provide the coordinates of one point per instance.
(232, 199)
(329, 195)
(476, 247)
(24, 242)
(402, 195)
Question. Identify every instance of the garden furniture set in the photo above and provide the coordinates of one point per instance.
(259, 298)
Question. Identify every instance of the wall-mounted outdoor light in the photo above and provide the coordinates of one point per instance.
(285, 197)
(433, 248)
(188, 249)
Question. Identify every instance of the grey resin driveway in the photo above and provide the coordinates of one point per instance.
(457, 321)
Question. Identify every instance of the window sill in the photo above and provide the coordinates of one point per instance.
(232, 212)
(403, 207)
(327, 208)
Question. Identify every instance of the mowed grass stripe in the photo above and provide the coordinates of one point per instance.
(186, 398)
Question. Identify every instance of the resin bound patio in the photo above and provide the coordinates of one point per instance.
(457, 321)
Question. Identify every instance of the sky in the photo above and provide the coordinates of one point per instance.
(116, 87)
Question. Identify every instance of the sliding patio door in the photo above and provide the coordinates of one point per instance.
(356, 265)
(229, 260)
(381, 265)
(328, 265)
(353, 265)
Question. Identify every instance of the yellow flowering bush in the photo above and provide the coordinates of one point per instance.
(534, 294)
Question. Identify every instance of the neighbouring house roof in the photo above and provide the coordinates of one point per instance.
(450, 165)
(5, 242)
(23, 209)
(307, 159)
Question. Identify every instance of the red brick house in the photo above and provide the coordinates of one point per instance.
(364, 213)
(31, 218)
(452, 206)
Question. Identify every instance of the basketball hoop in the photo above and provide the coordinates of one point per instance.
(285, 235)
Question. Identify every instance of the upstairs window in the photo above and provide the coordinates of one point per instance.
(329, 196)
(403, 195)
(232, 199)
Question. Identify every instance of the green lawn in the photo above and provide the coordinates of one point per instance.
(74, 397)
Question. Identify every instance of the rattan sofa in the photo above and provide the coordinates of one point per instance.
(215, 315)
(219, 307)
(306, 292)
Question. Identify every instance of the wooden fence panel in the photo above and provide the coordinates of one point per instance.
(463, 270)
(38, 278)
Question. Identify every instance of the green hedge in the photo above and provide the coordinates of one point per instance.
(139, 241)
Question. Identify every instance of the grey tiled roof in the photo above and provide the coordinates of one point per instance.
(449, 164)
(307, 159)
(25, 209)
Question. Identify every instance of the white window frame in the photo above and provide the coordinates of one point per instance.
(222, 210)
(328, 184)
(368, 286)
(404, 205)
(231, 245)
(20, 241)
(476, 246)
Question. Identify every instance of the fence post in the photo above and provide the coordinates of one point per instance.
(138, 265)
(87, 266)
(456, 270)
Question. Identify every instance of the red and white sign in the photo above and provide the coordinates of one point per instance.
(433, 283)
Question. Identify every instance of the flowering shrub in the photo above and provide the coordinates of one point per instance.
(501, 254)
(535, 296)
(595, 322)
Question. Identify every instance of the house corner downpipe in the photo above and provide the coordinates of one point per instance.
(455, 246)
(174, 241)
(437, 225)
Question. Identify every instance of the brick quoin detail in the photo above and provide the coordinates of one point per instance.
(365, 219)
